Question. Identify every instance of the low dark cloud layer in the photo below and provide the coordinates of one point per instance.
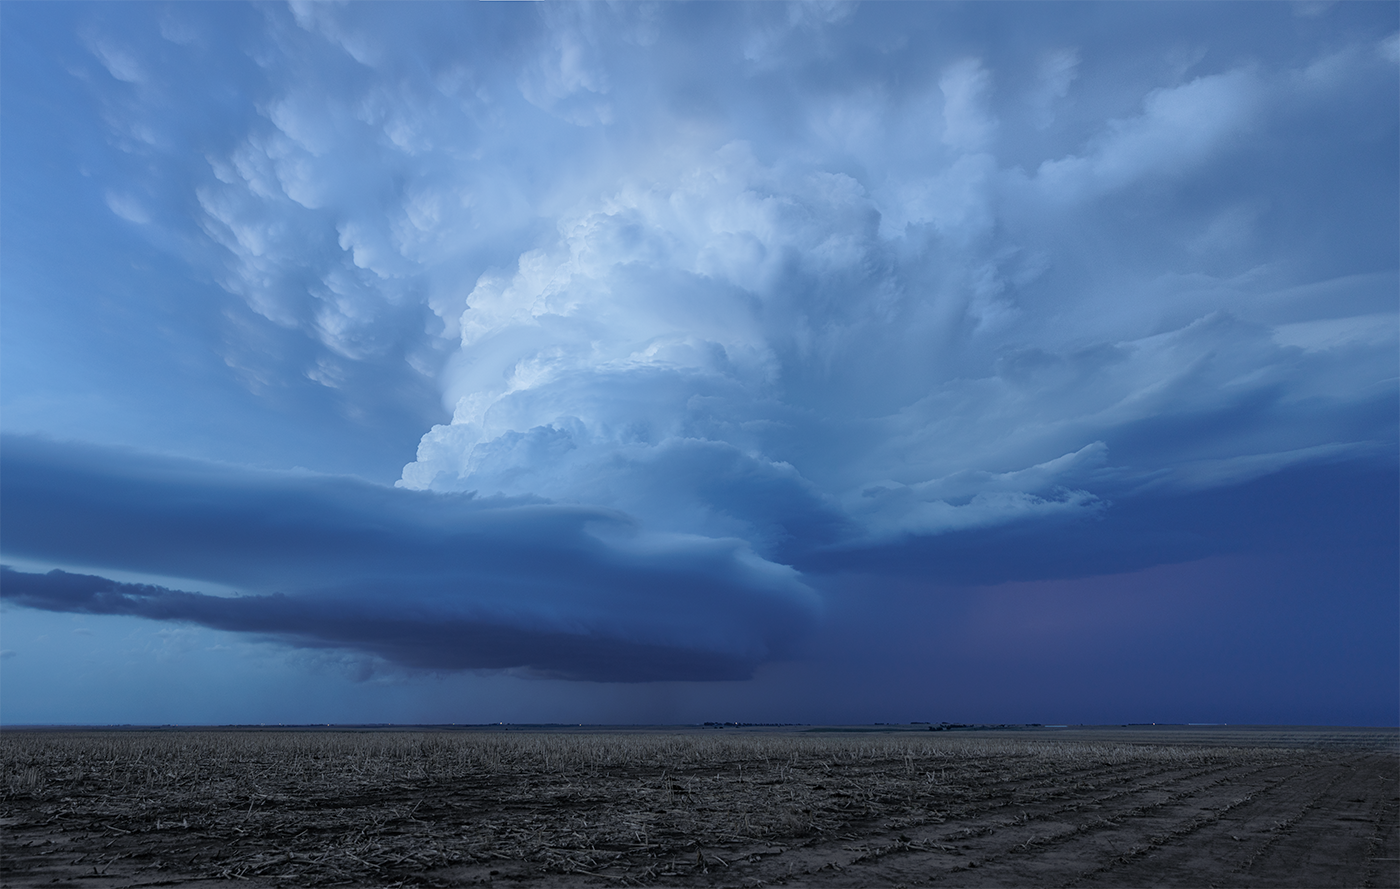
(424, 580)
(378, 627)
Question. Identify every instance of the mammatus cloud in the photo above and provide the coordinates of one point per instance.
(754, 286)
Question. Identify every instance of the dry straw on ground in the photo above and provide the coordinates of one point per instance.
(442, 808)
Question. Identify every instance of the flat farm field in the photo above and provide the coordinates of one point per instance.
(1079, 807)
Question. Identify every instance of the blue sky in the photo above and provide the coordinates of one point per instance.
(667, 363)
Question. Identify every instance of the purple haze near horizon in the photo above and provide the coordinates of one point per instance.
(639, 363)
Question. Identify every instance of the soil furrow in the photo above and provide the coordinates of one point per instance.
(378, 809)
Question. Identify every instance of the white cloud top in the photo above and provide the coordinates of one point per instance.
(755, 272)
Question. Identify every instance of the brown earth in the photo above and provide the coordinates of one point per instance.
(1121, 807)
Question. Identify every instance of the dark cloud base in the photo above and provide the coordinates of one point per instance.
(425, 644)
(430, 581)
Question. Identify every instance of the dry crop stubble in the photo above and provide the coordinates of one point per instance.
(376, 808)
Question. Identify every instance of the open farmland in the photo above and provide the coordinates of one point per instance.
(716, 808)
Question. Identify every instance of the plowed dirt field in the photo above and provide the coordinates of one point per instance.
(1087, 808)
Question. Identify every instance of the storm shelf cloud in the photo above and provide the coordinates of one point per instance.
(424, 580)
(661, 330)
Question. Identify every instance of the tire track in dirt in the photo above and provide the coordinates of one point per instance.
(1142, 862)
(987, 850)
(440, 811)
(985, 804)
(1314, 829)
(1383, 845)
(680, 854)
(1347, 812)
(687, 858)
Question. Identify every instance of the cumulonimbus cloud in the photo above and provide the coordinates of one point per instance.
(629, 269)
(709, 291)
